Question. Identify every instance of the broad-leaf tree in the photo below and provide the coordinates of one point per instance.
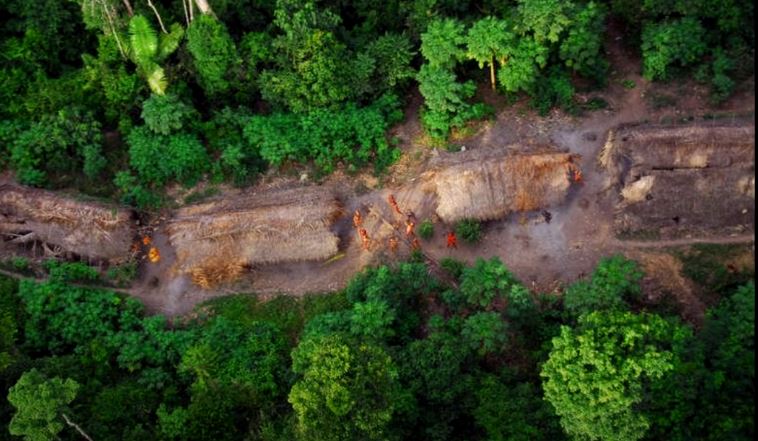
(597, 374)
(40, 405)
(490, 40)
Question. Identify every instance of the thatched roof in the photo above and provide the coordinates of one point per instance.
(493, 188)
(279, 226)
(693, 179)
(88, 229)
(689, 146)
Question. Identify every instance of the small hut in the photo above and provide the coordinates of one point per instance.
(88, 229)
(214, 241)
(493, 188)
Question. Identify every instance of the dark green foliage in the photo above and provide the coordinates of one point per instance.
(245, 361)
(237, 159)
(514, 412)
(353, 135)
(166, 114)
(469, 230)
(487, 281)
(160, 159)
(213, 54)
(123, 274)
(402, 288)
(484, 332)
(708, 265)
(582, 46)
(70, 271)
(612, 286)
(11, 319)
(676, 43)
(426, 229)
(452, 266)
(66, 142)
(728, 405)
(553, 90)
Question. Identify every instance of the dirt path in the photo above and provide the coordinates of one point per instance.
(543, 255)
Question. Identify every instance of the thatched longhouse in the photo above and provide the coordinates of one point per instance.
(493, 188)
(685, 180)
(214, 241)
(90, 229)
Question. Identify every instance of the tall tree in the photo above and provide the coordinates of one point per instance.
(347, 390)
(597, 375)
(41, 406)
(490, 40)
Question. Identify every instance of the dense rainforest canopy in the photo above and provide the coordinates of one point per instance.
(123, 97)
(399, 354)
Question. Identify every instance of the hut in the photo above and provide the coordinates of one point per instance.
(88, 229)
(215, 241)
(493, 188)
(693, 179)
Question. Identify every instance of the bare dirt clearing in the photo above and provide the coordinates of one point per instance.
(544, 255)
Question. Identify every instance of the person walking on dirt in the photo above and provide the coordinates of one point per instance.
(393, 204)
(364, 238)
(357, 219)
(409, 226)
(578, 176)
(547, 215)
(415, 245)
(452, 241)
(393, 244)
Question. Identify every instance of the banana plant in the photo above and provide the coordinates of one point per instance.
(147, 49)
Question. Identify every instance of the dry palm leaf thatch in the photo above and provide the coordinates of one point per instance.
(493, 188)
(88, 229)
(697, 179)
(214, 241)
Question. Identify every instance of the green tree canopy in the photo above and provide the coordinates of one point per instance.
(39, 404)
(597, 374)
(490, 40)
(347, 390)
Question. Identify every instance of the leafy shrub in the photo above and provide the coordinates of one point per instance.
(426, 229)
(614, 282)
(66, 142)
(484, 332)
(486, 281)
(679, 42)
(123, 274)
(160, 159)
(555, 89)
(70, 271)
(469, 230)
(237, 159)
(453, 266)
(213, 53)
(352, 135)
(165, 114)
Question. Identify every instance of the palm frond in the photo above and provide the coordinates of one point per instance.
(169, 42)
(143, 40)
(156, 79)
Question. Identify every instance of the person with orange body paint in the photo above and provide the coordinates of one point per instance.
(452, 241)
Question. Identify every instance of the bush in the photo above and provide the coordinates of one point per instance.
(426, 229)
(165, 114)
(160, 159)
(469, 230)
(70, 271)
(613, 284)
(353, 135)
